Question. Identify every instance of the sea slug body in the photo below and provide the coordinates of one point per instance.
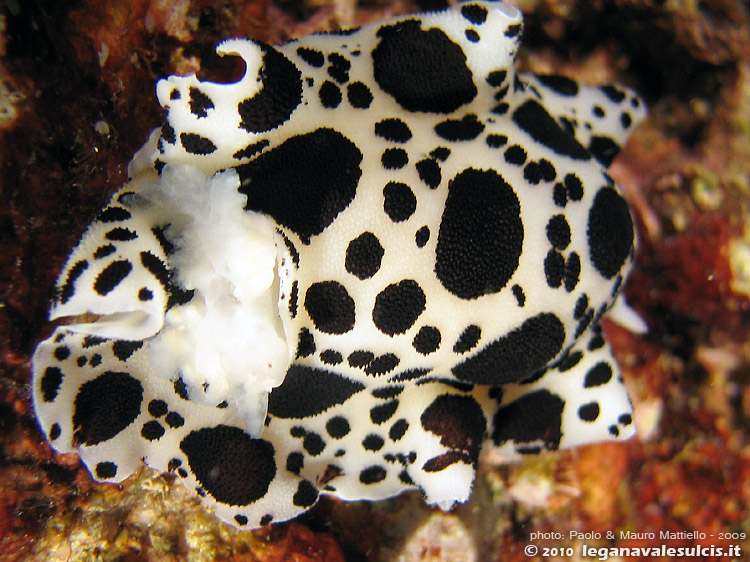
(379, 251)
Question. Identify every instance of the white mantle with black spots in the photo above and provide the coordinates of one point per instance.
(378, 252)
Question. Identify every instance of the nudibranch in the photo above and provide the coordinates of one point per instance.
(379, 251)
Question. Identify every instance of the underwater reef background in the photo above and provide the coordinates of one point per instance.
(77, 100)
